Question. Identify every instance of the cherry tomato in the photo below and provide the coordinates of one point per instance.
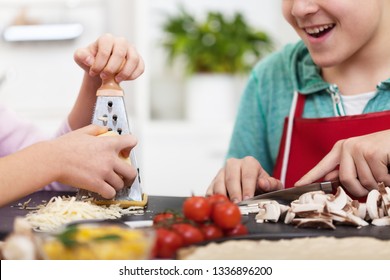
(197, 208)
(215, 198)
(226, 215)
(161, 217)
(189, 233)
(238, 230)
(167, 243)
(211, 231)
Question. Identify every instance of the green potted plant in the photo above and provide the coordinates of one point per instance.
(217, 44)
(213, 51)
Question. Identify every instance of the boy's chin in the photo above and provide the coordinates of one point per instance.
(324, 61)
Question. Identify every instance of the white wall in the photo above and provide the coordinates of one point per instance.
(167, 83)
(42, 78)
(176, 158)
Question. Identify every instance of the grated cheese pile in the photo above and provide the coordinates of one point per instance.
(62, 210)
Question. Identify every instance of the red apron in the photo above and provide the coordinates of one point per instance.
(311, 139)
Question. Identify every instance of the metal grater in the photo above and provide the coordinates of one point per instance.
(110, 111)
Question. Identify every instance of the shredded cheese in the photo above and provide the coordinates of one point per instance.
(62, 210)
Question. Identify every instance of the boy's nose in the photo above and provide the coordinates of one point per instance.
(301, 8)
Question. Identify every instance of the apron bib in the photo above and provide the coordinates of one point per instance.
(306, 141)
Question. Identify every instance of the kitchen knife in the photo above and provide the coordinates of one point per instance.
(291, 194)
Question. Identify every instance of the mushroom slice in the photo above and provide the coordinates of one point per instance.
(359, 209)
(273, 209)
(260, 215)
(386, 204)
(339, 216)
(290, 215)
(355, 220)
(303, 209)
(247, 209)
(373, 200)
(308, 197)
(320, 198)
(385, 195)
(339, 200)
(384, 221)
(271, 213)
(313, 223)
(382, 188)
(283, 211)
(283, 208)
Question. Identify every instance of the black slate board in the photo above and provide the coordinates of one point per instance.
(158, 204)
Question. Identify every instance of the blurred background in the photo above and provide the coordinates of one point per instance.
(197, 56)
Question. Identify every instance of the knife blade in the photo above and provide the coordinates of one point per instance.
(293, 193)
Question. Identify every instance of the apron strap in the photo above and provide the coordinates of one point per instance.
(300, 105)
(294, 111)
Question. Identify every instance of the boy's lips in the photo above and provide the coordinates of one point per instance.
(318, 30)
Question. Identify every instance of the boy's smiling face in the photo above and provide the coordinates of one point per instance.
(337, 31)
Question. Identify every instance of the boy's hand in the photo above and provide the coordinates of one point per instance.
(241, 178)
(360, 163)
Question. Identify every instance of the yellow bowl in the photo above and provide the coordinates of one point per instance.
(100, 242)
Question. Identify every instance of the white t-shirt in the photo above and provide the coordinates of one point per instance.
(355, 104)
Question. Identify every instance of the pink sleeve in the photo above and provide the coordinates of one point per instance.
(16, 134)
(55, 186)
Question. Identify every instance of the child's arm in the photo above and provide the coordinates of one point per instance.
(106, 56)
(79, 159)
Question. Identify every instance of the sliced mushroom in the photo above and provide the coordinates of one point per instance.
(355, 220)
(313, 223)
(271, 213)
(359, 209)
(384, 191)
(283, 208)
(339, 216)
(305, 198)
(273, 209)
(382, 188)
(384, 221)
(301, 209)
(317, 209)
(290, 215)
(247, 209)
(373, 200)
(320, 198)
(386, 203)
(338, 201)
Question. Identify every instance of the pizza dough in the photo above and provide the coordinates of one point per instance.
(313, 248)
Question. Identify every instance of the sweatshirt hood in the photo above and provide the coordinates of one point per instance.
(305, 74)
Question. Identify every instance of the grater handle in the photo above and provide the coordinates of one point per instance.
(110, 83)
(109, 87)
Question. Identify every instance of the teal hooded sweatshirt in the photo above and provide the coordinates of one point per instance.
(267, 98)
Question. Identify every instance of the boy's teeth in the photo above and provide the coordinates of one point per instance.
(316, 30)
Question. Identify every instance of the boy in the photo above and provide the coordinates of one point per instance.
(332, 85)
